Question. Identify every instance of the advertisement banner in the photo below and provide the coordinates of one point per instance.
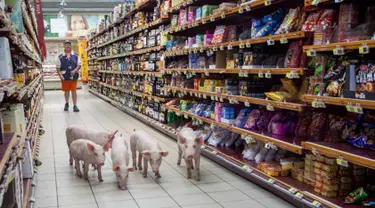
(40, 25)
(82, 45)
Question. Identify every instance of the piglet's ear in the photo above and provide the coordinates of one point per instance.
(146, 153)
(90, 147)
(199, 140)
(181, 140)
(164, 154)
(116, 167)
(107, 146)
(131, 169)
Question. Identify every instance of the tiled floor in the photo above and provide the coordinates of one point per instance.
(57, 185)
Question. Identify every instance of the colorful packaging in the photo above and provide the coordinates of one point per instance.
(311, 21)
(219, 35)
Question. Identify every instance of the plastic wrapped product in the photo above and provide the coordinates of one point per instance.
(356, 196)
(233, 138)
(253, 149)
(264, 119)
(252, 119)
(209, 110)
(219, 34)
(311, 21)
(217, 136)
(316, 128)
(205, 133)
(198, 13)
(303, 124)
(239, 143)
(280, 154)
(289, 21)
(293, 55)
(270, 155)
(261, 155)
(327, 18)
(241, 117)
(335, 128)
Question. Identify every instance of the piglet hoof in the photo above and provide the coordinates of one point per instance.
(189, 176)
(135, 168)
(144, 175)
(100, 179)
(179, 163)
(158, 175)
(79, 175)
(198, 178)
(86, 178)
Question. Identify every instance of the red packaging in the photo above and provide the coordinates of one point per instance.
(327, 18)
(322, 35)
(349, 14)
(311, 21)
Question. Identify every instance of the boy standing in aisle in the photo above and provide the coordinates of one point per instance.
(68, 65)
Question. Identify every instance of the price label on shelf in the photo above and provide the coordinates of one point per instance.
(196, 24)
(247, 169)
(316, 203)
(186, 116)
(248, 8)
(221, 99)
(190, 1)
(338, 51)
(242, 45)
(271, 181)
(184, 4)
(342, 162)
(315, 2)
(222, 15)
(260, 74)
(299, 195)
(212, 98)
(249, 139)
(212, 19)
(214, 48)
(270, 107)
(311, 53)
(222, 47)
(292, 190)
(201, 50)
(204, 96)
(267, 2)
(212, 126)
(230, 47)
(217, 98)
(283, 40)
(248, 45)
(245, 74)
(270, 42)
(268, 75)
(315, 104)
(240, 10)
(195, 51)
(203, 21)
(240, 74)
(177, 114)
(247, 103)
(200, 121)
(364, 49)
(339, 1)
(231, 101)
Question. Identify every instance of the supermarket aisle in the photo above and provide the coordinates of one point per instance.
(57, 185)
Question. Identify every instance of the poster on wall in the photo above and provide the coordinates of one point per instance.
(82, 44)
(16, 15)
(74, 25)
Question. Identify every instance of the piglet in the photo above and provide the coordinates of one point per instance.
(189, 147)
(75, 132)
(148, 148)
(89, 153)
(120, 161)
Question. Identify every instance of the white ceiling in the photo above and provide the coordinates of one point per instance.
(87, 6)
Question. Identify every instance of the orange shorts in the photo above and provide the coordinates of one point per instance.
(69, 85)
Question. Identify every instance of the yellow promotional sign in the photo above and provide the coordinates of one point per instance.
(82, 44)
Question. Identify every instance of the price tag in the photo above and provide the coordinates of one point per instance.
(248, 8)
(364, 49)
(299, 195)
(269, 107)
(222, 15)
(214, 152)
(271, 181)
(212, 126)
(184, 4)
(322, 104)
(315, 104)
(217, 98)
(292, 190)
(212, 97)
(248, 45)
(247, 103)
(339, 1)
(214, 48)
(283, 40)
(200, 121)
(177, 114)
(245, 74)
(221, 99)
(230, 47)
(270, 42)
(204, 96)
(316, 203)
(338, 51)
(186, 116)
(201, 50)
(260, 74)
(268, 75)
(195, 51)
(242, 45)
(311, 53)
(267, 2)
(342, 162)
(240, 10)
(203, 21)
(247, 169)
(212, 19)
(231, 101)
(191, 93)
(249, 139)
(240, 74)
(206, 73)
(190, 1)
(222, 47)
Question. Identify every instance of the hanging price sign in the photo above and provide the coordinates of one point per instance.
(364, 49)
(248, 45)
(247, 103)
(338, 51)
(240, 10)
(311, 53)
(269, 107)
(247, 169)
(283, 40)
(342, 162)
(222, 15)
(270, 42)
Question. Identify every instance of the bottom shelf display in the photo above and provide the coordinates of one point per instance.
(306, 181)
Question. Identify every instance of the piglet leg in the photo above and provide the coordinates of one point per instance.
(140, 161)
(188, 166)
(179, 156)
(99, 169)
(157, 174)
(197, 161)
(78, 168)
(70, 159)
(145, 167)
(134, 157)
(86, 170)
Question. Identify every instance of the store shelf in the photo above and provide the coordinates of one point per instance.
(245, 7)
(317, 2)
(94, 80)
(241, 72)
(133, 52)
(343, 151)
(138, 30)
(240, 43)
(140, 7)
(11, 140)
(237, 98)
(28, 25)
(27, 189)
(137, 73)
(135, 93)
(367, 104)
(289, 143)
(356, 45)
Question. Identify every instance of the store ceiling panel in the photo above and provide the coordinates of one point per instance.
(81, 5)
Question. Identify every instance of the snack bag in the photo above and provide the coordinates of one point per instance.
(219, 35)
(311, 21)
(327, 18)
(289, 21)
(356, 196)
(335, 128)
(316, 128)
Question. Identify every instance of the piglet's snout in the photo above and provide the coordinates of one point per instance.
(101, 164)
(154, 170)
